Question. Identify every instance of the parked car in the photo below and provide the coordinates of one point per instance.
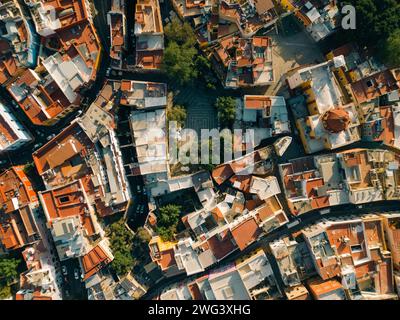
(142, 207)
(293, 223)
(324, 211)
(50, 137)
(37, 146)
(64, 270)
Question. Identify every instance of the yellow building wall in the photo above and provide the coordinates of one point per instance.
(287, 4)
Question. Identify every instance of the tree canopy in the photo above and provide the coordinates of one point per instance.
(392, 49)
(121, 244)
(377, 26)
(142, 235)
(5, 291)
(226, 107)
(376, 20)
(9, 269)
(180, 33)
(29, 168)
(179, 55)
(178, 63)
(167, 221)
(203, 67)
(177, 113)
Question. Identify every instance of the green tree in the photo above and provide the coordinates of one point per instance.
(177, 113)
(142, 235)
(9, 269)
(226, 107)
(121, 240)
(122, 263)
(167, 234)
(392, 49)
(179, 56)
(180, 33)
(167, 221)
(203, 65)
(376, 21)
(178, 63)
(29, 168)
(5, 292)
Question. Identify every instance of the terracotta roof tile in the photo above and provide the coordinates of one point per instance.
(245, 233)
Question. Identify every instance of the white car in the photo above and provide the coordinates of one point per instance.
(324, 211)
(292, 224)
(64, 270)
(76, 274)
(50, 137)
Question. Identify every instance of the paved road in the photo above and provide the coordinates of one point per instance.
(100, 22)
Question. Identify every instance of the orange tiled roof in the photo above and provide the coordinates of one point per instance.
(195, 291)
(70, 12)
(241, 182)
(167, 259)
(194, 3)
(150, 59)
(68, 201)
(374, 86)
(71, 141)
(93, 261)
(76, 36)
(336, 120)
(245, 233)
(51, 96)
(222, 244)
(222, 173)
(319, 287)
(257, 102)
(17, 225)
(15, 183)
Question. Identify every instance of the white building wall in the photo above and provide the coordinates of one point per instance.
(22, 134)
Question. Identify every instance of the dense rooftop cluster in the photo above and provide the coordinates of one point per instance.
(97, 210)
(50, 88)
(354, 176)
